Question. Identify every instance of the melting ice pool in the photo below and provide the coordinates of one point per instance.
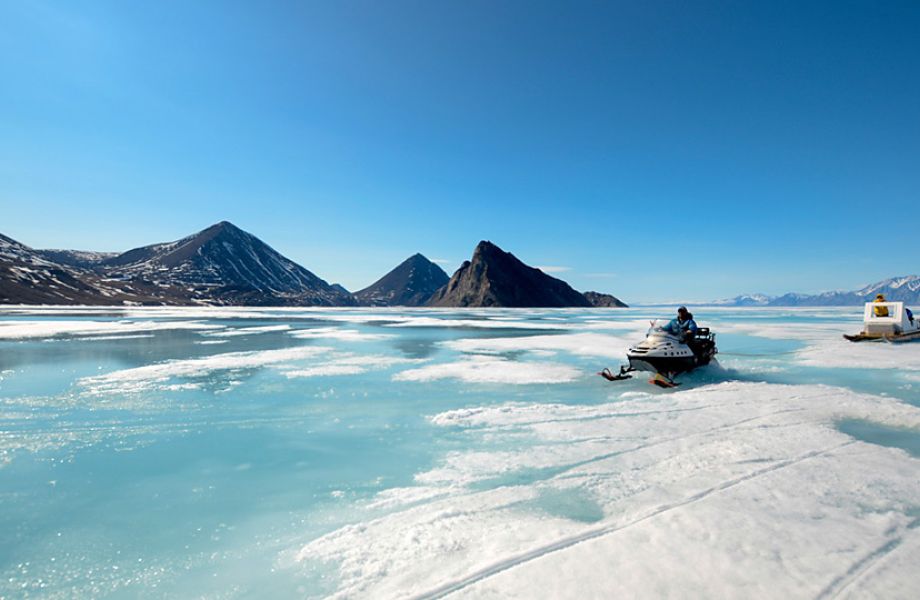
(310, 453)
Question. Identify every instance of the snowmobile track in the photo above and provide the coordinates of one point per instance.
(504, 565)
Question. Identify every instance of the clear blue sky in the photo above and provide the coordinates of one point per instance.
(655, 150)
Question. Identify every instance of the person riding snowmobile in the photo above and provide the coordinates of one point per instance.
(661, 354)
(683, 325)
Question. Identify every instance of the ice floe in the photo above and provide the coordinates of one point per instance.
(837, 352)
(109, 338)
(490, 369)
(482, 323)
(335, 333)
(581, 344)
(250, 330)
(730, 490)
(140, 379)
(826, 347)
(20, 330)
(349, 364)
(786, 331)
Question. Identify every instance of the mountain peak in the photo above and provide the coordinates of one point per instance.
(411, 283)
(221, 228)
(225, 226)
(486, 247)
(497, 278)
(225, 264)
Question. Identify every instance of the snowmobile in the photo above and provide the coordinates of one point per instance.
(887, 322)
(667, 355)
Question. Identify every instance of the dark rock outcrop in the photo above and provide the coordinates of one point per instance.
(599, 300)
(497, 278)
(412, 283)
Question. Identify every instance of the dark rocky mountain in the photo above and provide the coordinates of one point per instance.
(497, 278)
(219, 265)
(28, 277)
(599, 300)
(224, 265)
(412, 283)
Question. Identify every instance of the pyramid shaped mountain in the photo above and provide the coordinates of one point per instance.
(497, 278)
(225, 265)
(412, 283)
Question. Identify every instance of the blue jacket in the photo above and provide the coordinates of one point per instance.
(676, 326)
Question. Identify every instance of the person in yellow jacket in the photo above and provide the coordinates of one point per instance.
(881, 311)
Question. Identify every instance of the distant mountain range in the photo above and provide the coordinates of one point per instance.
(224, 265)
(896, 289)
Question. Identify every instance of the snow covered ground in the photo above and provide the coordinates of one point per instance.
(471, 454)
